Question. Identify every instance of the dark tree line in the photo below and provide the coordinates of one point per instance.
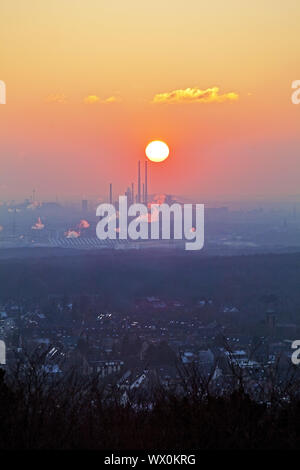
(38, 411)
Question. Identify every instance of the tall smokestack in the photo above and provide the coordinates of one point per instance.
(84, 205)
(143, 193)
(110, 194)
(132, 192)
(146, 183)
(139, 181)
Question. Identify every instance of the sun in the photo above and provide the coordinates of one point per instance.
(157, 151)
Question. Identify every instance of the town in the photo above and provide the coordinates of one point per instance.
(137, 342)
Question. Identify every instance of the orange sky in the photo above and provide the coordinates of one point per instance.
(90, 83)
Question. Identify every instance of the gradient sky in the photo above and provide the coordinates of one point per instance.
(82, 77)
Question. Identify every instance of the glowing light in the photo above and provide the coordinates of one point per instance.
(83, 224)
(157, 151)
(38, 225)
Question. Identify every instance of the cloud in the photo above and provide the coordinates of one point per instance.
(195, 95)
(56, 98)
(92, 99)
(113, 99)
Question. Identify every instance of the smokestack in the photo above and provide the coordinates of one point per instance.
(143, 193)
(14, 222)
(139, 181)
(84, 205)
(132, 192)
(110, 193)
(146, 183)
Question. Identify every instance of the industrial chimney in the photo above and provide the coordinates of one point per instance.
(139, 181)
(146, 183)
(110, 193)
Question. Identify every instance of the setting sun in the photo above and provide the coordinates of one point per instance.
(157, 151)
